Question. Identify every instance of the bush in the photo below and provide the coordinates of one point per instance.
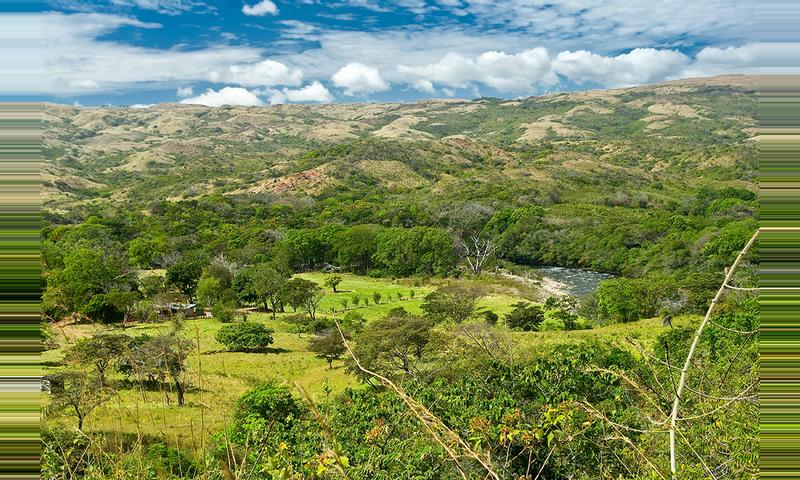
(353, 322)
(101, 309)
(171, 460)
(525, 317)
(269, 401)
(245, 337)
(223, 311)
(265, 415)
(552, 323)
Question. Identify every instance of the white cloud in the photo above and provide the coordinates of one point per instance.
(642, 65)
(226, 96)
(359, 78)
(141, 105)
(70, 60)
(167, 7)
(424, 85)
(84, 84)
(185, 92)
(762, 58)
(610, 24)
(504, 72)
(264, 7)
(266, 73)
(315, 92)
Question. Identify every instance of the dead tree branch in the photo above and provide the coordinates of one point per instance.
(685, 370)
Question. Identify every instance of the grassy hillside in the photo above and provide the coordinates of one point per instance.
(218, 377)
(306, 150)
(240, 209)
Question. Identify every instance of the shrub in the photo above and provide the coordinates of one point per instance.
(223, 312)
(245, 337)
(329, 346)
(451, 303)
(265, 415)
(552, 322)
(101, 309)
(525, 317)
(353, 322)
(171, 460)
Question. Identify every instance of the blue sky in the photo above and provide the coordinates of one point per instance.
(261, 52)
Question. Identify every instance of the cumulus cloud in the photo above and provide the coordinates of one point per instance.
(359, 78)
(266, 73)
(71, 60)
(504, 72)
(642, 65)
(315, 92)
(226, 96)
(264, 7)
(185, 92)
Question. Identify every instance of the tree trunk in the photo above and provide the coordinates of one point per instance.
(80, 417)
(179, 391)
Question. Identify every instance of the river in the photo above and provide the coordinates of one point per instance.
(560, 281)
(576, 282)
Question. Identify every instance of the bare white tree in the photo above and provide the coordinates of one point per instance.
(477, 251)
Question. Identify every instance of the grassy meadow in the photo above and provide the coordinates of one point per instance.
(219, 377)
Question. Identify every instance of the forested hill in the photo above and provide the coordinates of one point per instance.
(629, 180)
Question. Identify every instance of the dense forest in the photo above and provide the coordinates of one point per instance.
(351, 290)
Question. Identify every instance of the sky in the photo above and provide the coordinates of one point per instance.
(262, 52)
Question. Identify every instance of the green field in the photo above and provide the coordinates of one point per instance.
(219, 377)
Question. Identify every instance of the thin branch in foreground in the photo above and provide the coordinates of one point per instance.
(685, 370)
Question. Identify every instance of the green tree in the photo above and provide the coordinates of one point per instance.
(300, 321)
(143, 251)
(303, 294)
(185, 273)
(103, 308)
(394, 345)
(101, 350)
(328, 346)
(333, 281)
(355, 247)
(88, 272)
(210, 291)
(525, 316)
(376, 297)
(224, 311)
(452, 302)
(265, 415)
(74, 393)
(353, 322)
(266, 284)
(245, 337)
(415, 251)
(164, 357)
